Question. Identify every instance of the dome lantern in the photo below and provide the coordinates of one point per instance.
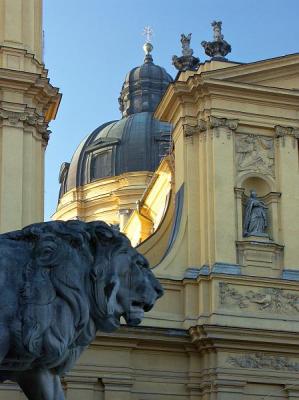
(143, 86)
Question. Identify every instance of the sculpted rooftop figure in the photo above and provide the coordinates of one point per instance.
(217, 26)
(60, 283)
(186, 62)
(218, 48)
(255, 220)
(185, 40)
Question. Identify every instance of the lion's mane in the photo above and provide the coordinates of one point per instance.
(71, 294)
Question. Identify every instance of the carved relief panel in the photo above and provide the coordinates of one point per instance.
(265, 299)
(254, 153)
(261, 360)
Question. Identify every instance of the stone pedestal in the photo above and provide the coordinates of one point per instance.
(259, 256)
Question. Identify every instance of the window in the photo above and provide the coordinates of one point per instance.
(101, 164)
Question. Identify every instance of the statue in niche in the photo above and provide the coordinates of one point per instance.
(60, 283)
(255, 221)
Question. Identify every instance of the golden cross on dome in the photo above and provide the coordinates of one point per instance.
(148, 33)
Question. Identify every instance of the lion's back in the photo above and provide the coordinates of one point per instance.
(14, 256)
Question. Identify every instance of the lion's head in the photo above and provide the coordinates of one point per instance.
(70, 279)
(122, 285)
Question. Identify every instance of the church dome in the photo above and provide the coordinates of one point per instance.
(137, 142)
(134, 143)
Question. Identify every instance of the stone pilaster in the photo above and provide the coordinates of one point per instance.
(221, 178)
(272, 201)
(192, 134)
(288, 181)
(239, 194)
(210, 190)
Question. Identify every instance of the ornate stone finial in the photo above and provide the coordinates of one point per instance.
(148, 47)
(219, 48)
(186, 61)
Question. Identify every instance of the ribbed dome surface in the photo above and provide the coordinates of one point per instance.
(134, 143)
(143, 88)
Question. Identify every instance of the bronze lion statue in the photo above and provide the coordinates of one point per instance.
(60, 282)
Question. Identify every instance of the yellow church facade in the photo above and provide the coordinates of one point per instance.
(235, 130)
(230, 301)
(227, 327)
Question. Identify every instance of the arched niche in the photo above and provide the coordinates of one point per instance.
(263, 186)
(258, 184)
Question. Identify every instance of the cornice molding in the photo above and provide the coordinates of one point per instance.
(200, 86)
(245, 88)
(36, 85)
(288, 62)
(215, 335)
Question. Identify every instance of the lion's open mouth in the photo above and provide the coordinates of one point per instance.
(134, 319)
(137, 304)
(146, 307)
(136, 313)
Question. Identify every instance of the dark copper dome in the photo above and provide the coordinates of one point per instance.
(137, 142)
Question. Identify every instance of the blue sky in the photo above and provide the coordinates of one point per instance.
(90, 46)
